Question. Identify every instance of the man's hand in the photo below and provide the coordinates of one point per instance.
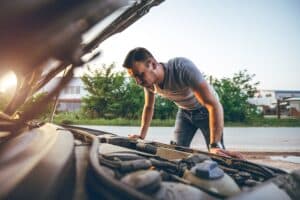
(134, 136)
(226, 153)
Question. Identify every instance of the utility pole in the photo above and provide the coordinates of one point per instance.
(278, 109)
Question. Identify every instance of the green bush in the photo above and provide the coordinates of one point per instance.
(234, 94)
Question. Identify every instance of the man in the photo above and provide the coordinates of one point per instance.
(180, 81)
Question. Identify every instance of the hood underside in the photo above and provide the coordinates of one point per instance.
(40, 39)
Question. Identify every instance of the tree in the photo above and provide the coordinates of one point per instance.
(234, 94)
(133, 101)
(105, 90)
(112, 95)
(164, 108)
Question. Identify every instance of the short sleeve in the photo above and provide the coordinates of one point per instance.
(190, 73)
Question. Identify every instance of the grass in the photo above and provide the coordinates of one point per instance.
(264, 122)
(116, 122)
(76, 118)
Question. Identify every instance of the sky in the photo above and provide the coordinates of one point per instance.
(221, 37)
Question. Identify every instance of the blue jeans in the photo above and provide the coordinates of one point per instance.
(187, 123)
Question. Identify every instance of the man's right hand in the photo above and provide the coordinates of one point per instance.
(134, 136)
(226, 153)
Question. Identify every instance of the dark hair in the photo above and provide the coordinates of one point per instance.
(136, 54)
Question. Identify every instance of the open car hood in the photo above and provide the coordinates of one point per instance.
(40, 39)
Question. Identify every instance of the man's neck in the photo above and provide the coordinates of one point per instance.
(161, 74)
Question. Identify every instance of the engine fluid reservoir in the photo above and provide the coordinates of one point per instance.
(208, 176)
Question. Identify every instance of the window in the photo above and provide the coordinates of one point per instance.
(77, 89)
(72, 90)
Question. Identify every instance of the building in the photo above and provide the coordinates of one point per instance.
(268, 101)
(284, 94)
(70, 98)
(264, 98)
(294, 106)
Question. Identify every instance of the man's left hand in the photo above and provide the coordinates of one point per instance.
(226, 153)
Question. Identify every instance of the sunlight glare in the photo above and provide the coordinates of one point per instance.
(8, 81)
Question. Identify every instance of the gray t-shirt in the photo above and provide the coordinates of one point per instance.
(181, 75)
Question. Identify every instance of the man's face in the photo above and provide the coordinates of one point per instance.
(143, 73)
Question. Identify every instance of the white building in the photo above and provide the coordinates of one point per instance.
(294, 106)
(264, 98)
(70, 98)
(268, 99)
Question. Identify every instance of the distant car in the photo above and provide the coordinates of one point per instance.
(39, 160)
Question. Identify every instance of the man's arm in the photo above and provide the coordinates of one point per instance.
(216, 122)
(206, 97)
(147, 114)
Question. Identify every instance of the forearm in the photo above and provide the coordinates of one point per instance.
(216, 123)
(146, 120)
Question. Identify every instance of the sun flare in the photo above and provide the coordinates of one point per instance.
(8, 81)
